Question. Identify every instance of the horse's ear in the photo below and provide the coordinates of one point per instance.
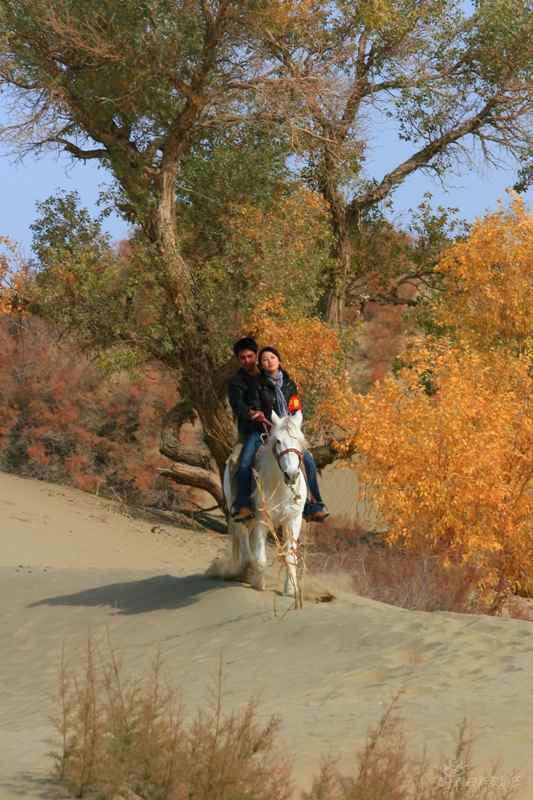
(298, 418)
(275, 419)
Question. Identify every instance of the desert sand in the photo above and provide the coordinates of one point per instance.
(71, 563)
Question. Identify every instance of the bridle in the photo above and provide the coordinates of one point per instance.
(279, 456)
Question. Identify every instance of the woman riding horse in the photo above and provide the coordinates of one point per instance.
(254, 394)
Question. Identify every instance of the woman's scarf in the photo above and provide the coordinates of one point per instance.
(277, 382)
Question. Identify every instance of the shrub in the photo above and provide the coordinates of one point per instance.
(386, 770)
(121, 735)
(128, 737)
(413, 579)
(446, 447)
(63, 419)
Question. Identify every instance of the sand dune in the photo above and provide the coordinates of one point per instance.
(71, 562)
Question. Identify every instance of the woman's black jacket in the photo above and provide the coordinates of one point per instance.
(267, 393)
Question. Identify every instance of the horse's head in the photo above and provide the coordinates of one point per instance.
(287, 442)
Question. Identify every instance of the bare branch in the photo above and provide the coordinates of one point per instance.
(78, 152)
(185, 475)
(421, 158)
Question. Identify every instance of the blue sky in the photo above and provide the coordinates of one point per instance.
(474, 191)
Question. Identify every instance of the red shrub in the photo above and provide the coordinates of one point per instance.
(62, 419)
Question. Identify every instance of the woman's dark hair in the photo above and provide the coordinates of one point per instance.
(268, 350)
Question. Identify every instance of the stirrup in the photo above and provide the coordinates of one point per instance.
(246, 518)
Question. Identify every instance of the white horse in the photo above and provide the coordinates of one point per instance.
(279, 500)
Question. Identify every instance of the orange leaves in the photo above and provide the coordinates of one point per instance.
(310, 349)
(282, 249)
(448, 446)
(13, 278)
(307, 344)
(488, 278)
(452, 471)
(37, 452)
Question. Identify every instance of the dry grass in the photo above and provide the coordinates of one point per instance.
(122, 738)
(126, 737)
(413, 580)
(385, 770)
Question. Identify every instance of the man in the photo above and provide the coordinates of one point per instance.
(245, 397)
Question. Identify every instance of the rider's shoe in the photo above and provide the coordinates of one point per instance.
(244, 514)
(318, 516)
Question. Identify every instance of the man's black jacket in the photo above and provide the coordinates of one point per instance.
(243, 394)
(247, 391)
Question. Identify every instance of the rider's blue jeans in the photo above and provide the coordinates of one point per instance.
(315, 502)
(251, 445)
(244, 477)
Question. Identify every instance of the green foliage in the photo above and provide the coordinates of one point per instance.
(524, 178)
(79, 283)
(227, 169)
(113, 301)
(110, 300)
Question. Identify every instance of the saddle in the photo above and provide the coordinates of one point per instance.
(233, 460)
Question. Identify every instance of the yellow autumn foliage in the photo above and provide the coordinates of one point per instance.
(13, 277)
(452, 472)
(489, 281)
(446, 447)
(311, 351)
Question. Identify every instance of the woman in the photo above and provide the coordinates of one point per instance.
(276, 387)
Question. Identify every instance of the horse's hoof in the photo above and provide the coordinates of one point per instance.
(289, 590)
(259, 582)
(255, 577)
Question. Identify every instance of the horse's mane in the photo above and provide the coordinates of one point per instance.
(293, 430)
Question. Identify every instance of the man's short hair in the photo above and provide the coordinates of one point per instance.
(246, 343)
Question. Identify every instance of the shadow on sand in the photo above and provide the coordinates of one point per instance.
(141, 596)
(32, 787)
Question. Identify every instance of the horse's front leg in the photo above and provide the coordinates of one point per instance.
(259, 554)
(291, 531)
(242, 550)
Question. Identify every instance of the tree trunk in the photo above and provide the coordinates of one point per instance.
(342, 254)
(203, 387)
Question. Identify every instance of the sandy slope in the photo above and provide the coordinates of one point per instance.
(70, 562)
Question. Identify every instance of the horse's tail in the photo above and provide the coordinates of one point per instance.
(235, 543)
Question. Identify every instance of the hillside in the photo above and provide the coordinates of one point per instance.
(72, 562)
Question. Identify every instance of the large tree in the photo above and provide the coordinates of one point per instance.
(136, 86)
(140, 85)
(450, 74)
